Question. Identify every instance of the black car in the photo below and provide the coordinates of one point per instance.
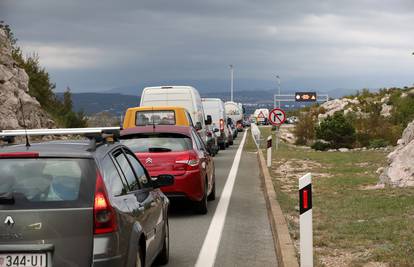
(80, 203)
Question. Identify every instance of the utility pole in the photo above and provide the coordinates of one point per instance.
(278, 83)
(231, 82)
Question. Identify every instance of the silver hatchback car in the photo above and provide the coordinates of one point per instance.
(75, 203)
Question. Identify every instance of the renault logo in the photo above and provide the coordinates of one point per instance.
(148, 161)
(9, 221)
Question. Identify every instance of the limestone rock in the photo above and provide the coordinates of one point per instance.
(400, 169)
(335, 105)
(14, 86)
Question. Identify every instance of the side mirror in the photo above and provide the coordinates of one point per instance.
(162, 180)
(215, 130)
(198, 126)
(209, 120)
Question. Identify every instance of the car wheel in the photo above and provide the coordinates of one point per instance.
(227, 144)
(223, 146)
(231, 143)
(164, 255)
(201, 206)
(212, 195)
(139, 261)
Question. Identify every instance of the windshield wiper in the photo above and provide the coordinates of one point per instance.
(159, 149)
(7, 198)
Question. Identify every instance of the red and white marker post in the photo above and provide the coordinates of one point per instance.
(269, 151)
(277, 117)
(305, 221)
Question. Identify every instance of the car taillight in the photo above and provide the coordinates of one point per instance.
(104, 216)
(209, 134)
(221, 125)
(186, 162)
(19, 155)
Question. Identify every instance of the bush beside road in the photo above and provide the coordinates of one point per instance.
(355, 222)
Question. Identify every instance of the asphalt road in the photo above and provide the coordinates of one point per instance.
(246, 239)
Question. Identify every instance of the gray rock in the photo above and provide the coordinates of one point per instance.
(343, 149)
(14, 85)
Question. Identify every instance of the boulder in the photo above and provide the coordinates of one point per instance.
(335, 105)
(400, 169)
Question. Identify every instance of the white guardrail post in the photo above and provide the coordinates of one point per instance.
(305, 221)
(269, 151)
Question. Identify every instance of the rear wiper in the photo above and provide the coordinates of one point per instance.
(7, 198)
(159, 149)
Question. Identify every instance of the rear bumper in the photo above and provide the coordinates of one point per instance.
(189, 185)
(109, 262)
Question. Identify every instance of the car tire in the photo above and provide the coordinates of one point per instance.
(227, 144)
(201, 206)
(164, 255)
(231, 143)
(139, 262)
(223, 146)
(212, 195)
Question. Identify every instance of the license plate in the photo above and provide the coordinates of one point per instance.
(23, 260)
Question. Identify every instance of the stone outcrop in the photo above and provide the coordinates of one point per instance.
(14, 87)
(400, 169)
(335, 105)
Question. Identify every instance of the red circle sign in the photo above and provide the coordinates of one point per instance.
(277, 116)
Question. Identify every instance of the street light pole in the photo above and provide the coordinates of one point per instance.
(231, 82)
(278, 83)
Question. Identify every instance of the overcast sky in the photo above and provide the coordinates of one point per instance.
(96, 45)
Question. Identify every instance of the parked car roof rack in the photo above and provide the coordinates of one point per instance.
(96, 135)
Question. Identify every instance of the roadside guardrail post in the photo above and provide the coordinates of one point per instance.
(269, 151)
(305, 221)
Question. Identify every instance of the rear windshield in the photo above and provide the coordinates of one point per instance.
(47, 181)
(158, 142)
(151, 117)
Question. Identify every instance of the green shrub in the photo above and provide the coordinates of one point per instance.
(305, 128)
(336, 130)
(377, 143)
(319, 145)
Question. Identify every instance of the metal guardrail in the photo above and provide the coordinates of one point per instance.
(256, 135)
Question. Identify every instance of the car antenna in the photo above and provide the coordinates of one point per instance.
(24, 124)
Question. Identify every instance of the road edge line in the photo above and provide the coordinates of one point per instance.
(285, 251)
(208, 252)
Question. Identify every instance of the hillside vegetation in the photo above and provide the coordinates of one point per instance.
(369, 119)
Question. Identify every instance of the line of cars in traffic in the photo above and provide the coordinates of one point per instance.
(100, 202)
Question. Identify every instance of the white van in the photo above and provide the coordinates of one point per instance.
(181, 96)
(215, 108)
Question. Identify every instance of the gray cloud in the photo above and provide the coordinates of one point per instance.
(98, 45)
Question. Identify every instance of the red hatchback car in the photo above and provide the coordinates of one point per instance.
(179, 151)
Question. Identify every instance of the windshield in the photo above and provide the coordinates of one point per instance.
(158, 143)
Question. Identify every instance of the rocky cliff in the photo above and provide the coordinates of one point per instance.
(14, 86)
(400, 169)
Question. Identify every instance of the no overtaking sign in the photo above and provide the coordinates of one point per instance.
(277, 116)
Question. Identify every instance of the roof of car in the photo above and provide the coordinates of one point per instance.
(66, 148)
(185, 130)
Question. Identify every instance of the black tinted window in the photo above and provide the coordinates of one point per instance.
(127, 171)
(155, 117)
(139, 170)
(112, 178)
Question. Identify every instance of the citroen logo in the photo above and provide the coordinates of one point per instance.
(9, 221)
(148, 161)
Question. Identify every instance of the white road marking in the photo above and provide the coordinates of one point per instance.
(208, 252)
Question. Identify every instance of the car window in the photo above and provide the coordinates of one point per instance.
(113, 180)
(50, 181)
(127, 171)
(157, 142)
(198, 142)
(189, 118)
(155, 117)
(139, 171)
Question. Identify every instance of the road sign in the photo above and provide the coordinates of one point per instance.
(261, 115)
(277, 116)
(305, 96)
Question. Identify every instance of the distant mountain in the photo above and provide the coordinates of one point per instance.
(92, 103)
(117, 103)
